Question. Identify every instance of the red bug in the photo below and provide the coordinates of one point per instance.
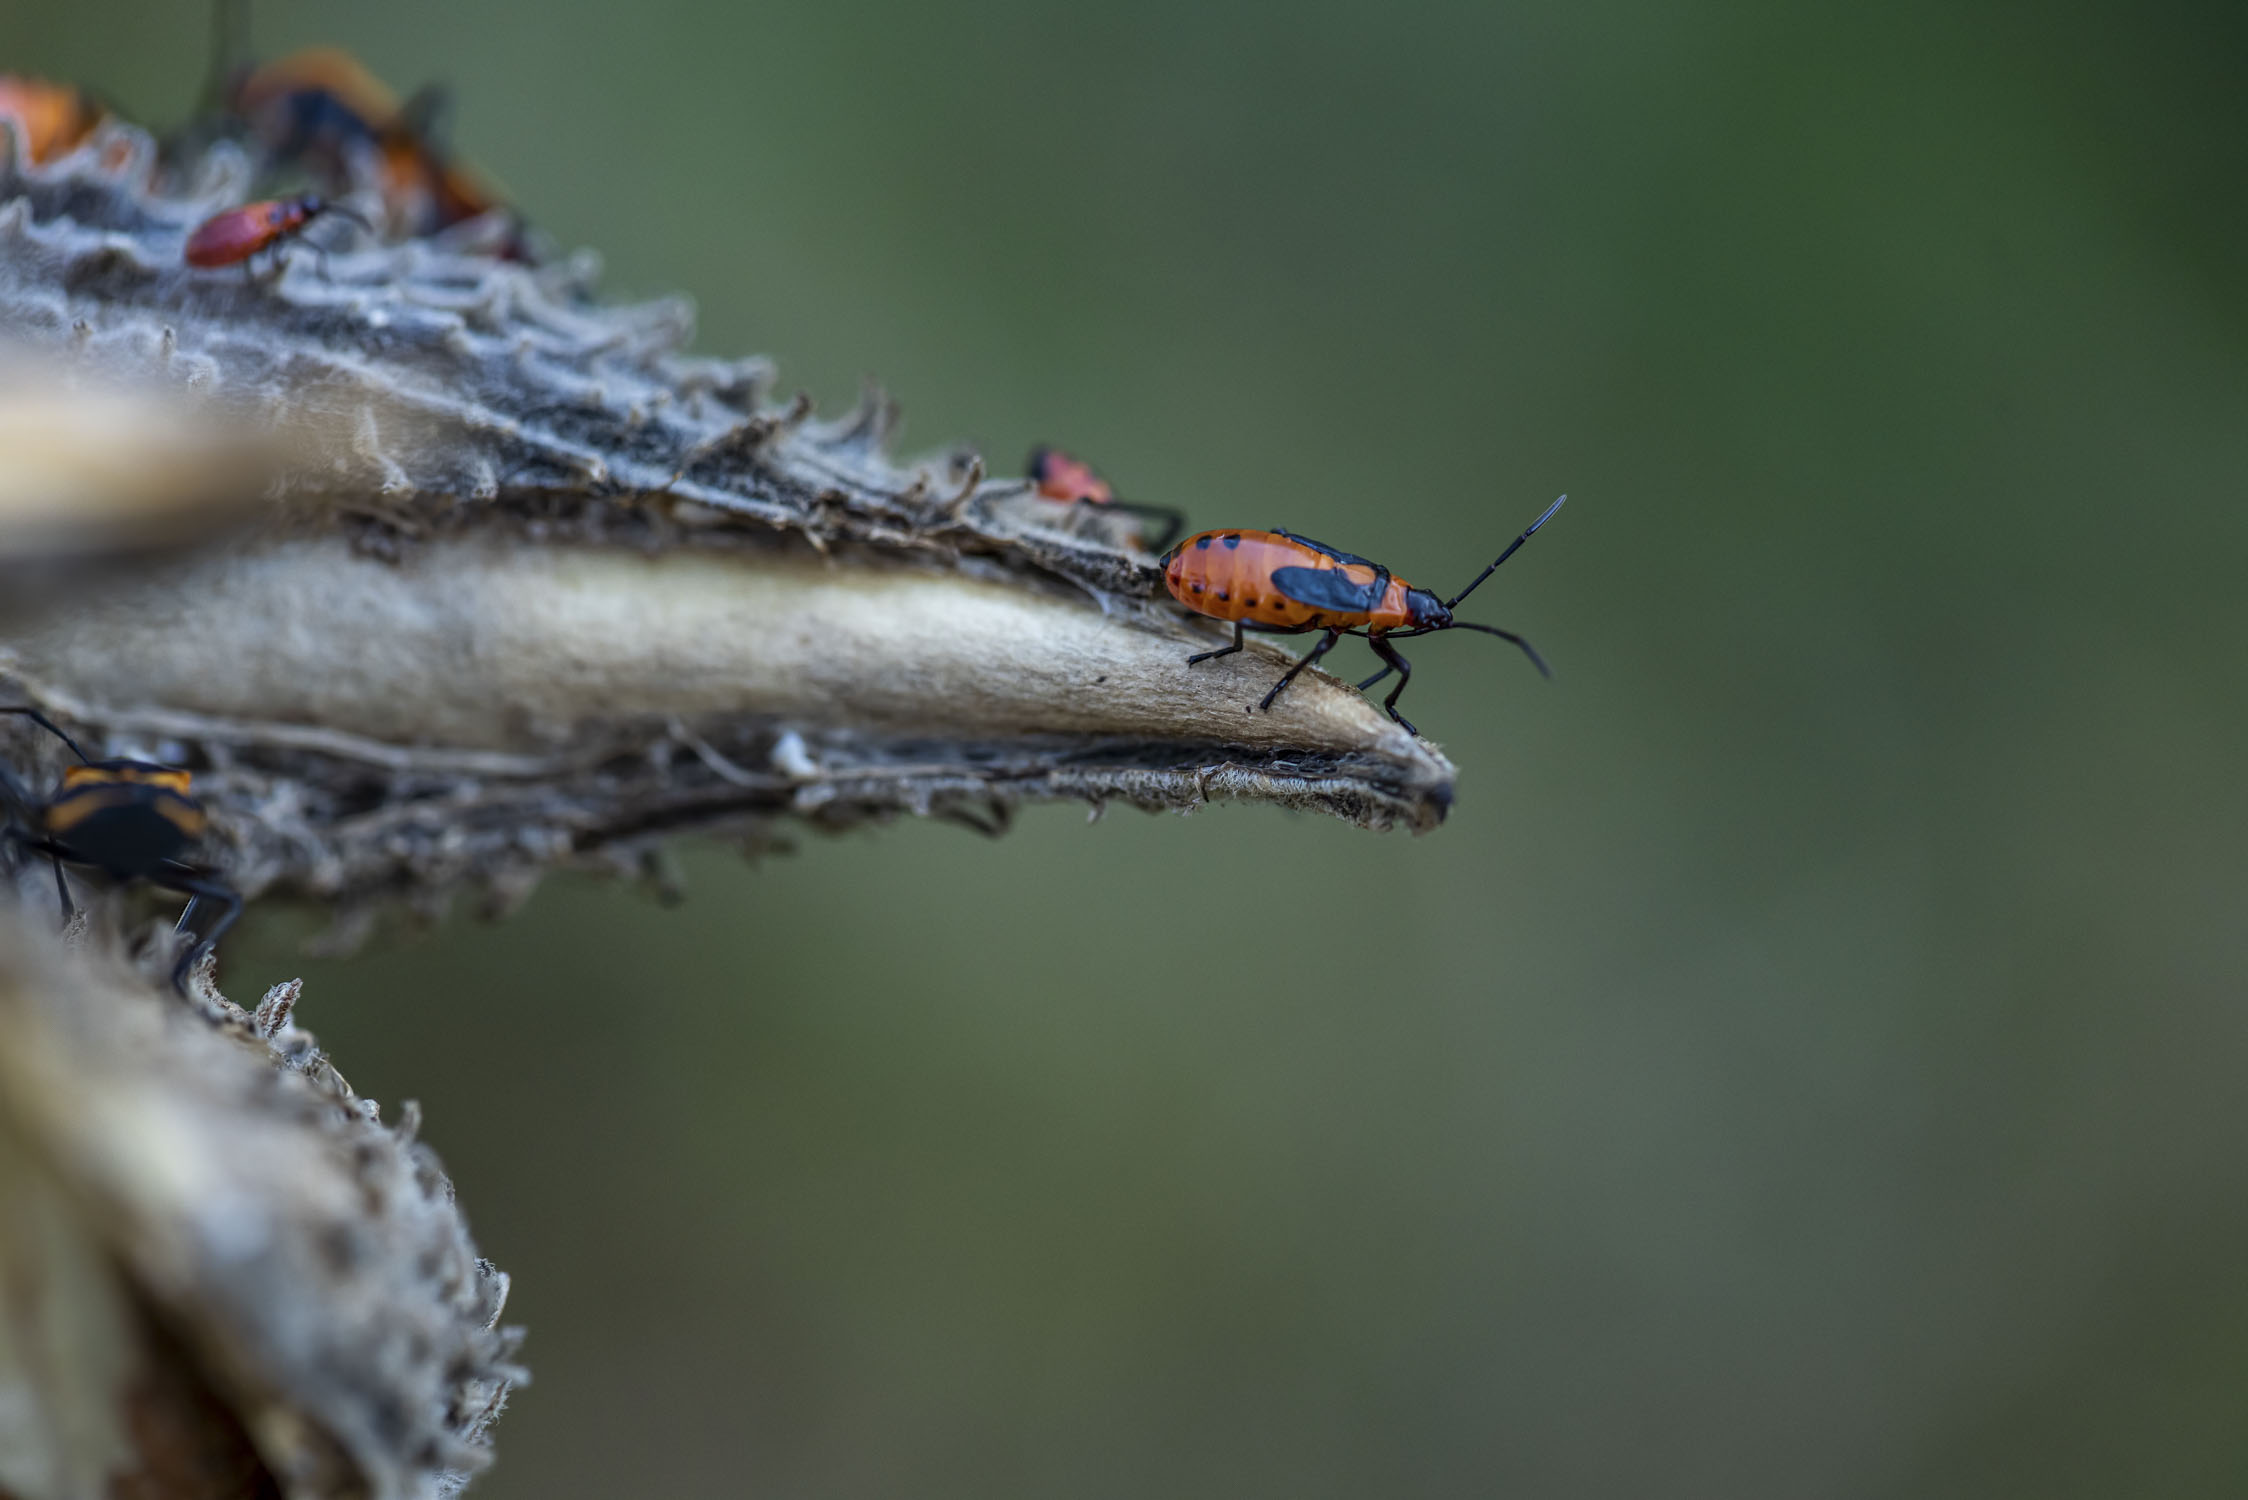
(1072, 481)
(233, 237)
(1283, 584)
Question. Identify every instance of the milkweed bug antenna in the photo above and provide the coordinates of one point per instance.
(40, 719)
(230, 54)
(427, 114)
(1285, 584)
(1511, 548)
(1504, 635)
(129, 819)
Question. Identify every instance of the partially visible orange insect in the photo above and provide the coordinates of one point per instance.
(321, 104)
(315, 99)
(1282, 584)
(1072, 481)
(1061, 477)
(233, 237)
(48, 118)
(130, 819)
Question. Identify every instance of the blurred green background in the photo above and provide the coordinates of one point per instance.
(1810, 1061)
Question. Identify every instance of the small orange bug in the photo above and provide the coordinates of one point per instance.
(1061, 477)
(1283, 584)
(233, 237)
(130, 819)
(1072, 481)
(48, 118)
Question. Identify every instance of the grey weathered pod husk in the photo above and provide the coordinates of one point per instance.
(529, 584)
(224, 1274)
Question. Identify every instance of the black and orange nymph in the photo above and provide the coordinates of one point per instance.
(129, 819)
(1284, 584)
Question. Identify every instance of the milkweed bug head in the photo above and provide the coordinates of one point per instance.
(1426, 611)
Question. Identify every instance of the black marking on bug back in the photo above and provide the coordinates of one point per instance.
(1331, 589)
(127, 831)
(1326, 551)
(1202, 543)
(1232, 540)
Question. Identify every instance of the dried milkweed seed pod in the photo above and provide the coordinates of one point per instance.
(226, 1275)
(529, 585)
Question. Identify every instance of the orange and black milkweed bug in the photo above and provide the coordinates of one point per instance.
(1279, 583)
(129, 819)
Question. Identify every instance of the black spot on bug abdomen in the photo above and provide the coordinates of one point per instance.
(123, 834)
